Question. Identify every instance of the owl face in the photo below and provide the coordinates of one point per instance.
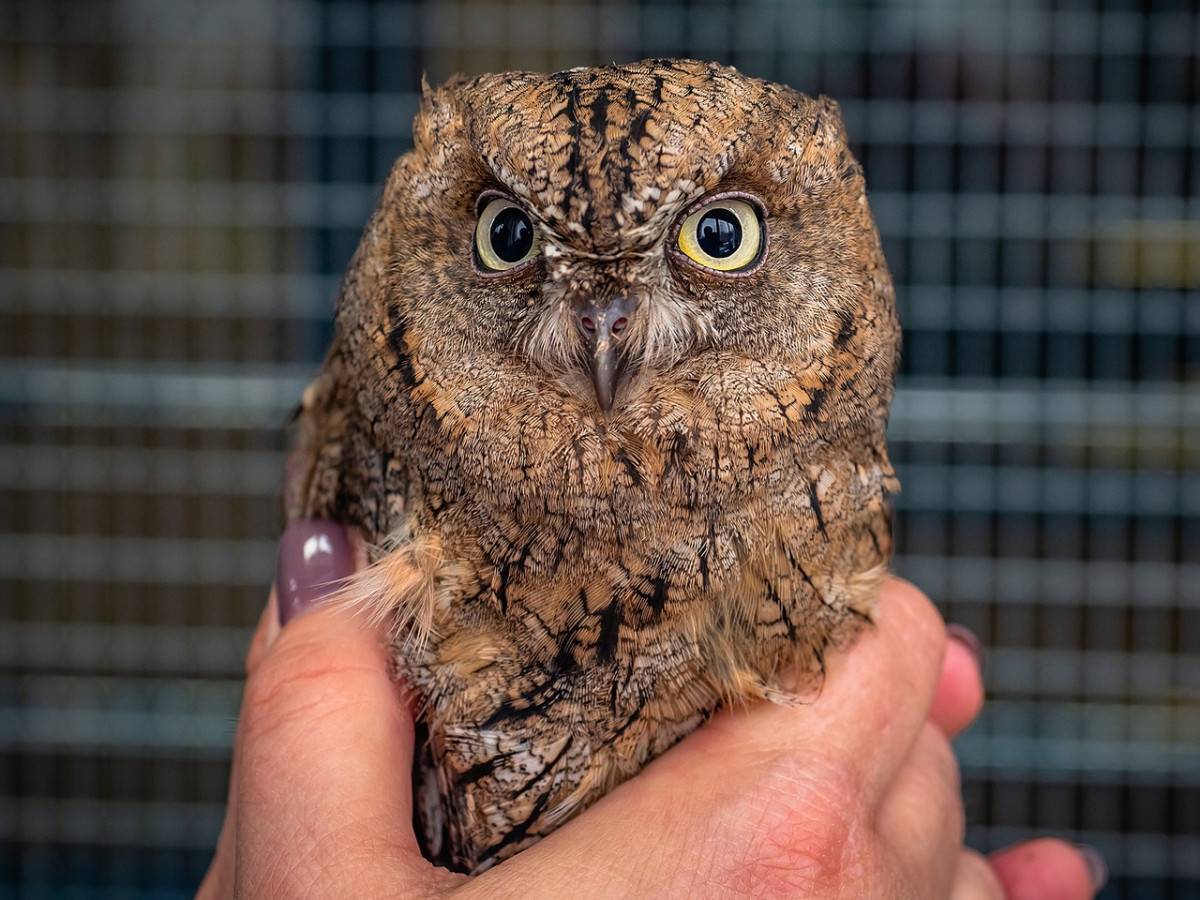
(621, 251)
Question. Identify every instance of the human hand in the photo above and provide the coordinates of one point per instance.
(855, 794)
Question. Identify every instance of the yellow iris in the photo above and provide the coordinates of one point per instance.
(724, 235)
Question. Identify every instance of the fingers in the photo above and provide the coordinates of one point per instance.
(324, 748)
(218, 880)
(921, 818)
(1049, 869)
(959, 694)
(876, 694)
(783, 796)
(1044, 869)
(874, 700)
(975, 879)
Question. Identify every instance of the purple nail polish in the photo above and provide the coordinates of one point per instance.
(1097, 867)
(314, 556)
(966, 637)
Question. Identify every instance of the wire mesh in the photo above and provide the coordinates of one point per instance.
(182, 183)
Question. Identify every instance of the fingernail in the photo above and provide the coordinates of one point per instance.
(314, 556)
(966, 637)
(1097, 867)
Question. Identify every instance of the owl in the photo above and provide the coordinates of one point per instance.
(606, 397)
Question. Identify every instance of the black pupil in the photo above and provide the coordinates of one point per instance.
(511, 235)
(719, 233)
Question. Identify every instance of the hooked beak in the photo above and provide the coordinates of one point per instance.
(603, 324)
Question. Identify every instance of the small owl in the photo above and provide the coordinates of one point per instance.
(606, 396)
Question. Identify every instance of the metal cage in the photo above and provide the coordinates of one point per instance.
(182, 184)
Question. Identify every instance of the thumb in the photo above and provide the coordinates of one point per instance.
(325, 744)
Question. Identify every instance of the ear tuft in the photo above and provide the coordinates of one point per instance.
(828, 149)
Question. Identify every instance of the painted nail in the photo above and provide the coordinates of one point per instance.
(1097, 867)
(314, 556)
(966, 637)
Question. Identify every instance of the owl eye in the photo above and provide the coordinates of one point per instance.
(504, 235)
(725, 235)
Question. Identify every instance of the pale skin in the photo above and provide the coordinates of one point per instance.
(855, 794)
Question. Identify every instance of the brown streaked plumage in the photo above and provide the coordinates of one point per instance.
(580, 563)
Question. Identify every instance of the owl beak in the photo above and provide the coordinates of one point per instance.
(603, 325)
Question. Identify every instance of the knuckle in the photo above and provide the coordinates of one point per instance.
(924, 622)
(803, 823)
(298, 680)
(975, 879)
(942, 762)
(945, 779)
(942, 751)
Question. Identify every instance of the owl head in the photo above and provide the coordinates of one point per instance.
(601, 278)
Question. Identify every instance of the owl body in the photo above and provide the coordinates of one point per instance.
(586, 538)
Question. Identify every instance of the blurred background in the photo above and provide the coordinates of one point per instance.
(182, 184)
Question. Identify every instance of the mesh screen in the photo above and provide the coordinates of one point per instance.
(181, 185)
